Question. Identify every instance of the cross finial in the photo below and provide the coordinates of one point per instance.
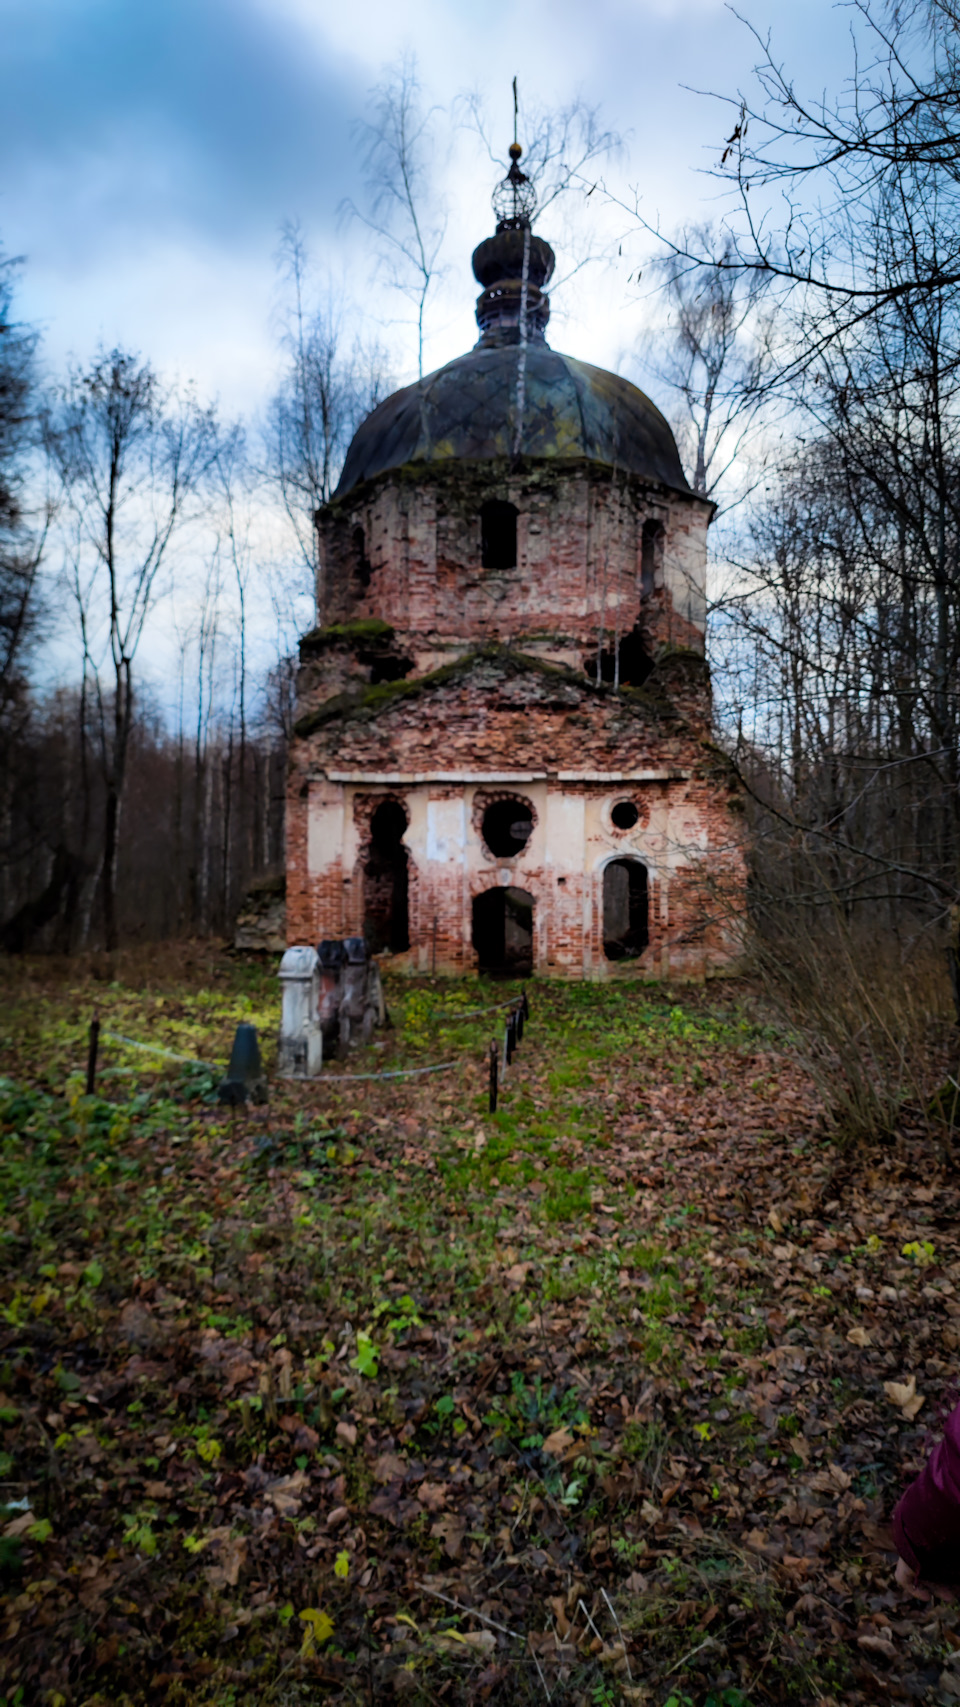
(515, 175)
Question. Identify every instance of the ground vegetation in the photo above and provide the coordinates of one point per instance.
(605, 1398)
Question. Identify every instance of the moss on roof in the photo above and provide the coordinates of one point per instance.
(366, 630)
(370, 701)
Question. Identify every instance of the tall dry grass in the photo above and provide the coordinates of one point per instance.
(870, 1016)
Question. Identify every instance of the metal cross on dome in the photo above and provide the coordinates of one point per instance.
(514, 199)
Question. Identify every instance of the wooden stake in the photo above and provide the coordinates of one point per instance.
(92, 1056)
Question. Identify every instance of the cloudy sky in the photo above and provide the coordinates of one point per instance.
(152, 149)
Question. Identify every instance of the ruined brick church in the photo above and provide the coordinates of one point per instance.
(502, 757)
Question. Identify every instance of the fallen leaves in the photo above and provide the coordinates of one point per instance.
(432, 1495)
(19, 1525)
(378, 1351)
(833, 1480)
(388, 1467)
(479, 1641)
(904, 1395)
(230, 1553)
(877, 1645)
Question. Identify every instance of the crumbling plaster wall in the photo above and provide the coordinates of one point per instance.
(684, 838)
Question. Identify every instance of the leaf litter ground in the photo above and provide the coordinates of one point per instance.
(372, 1396)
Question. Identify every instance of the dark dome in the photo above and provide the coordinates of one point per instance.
(501, 257)
(466, 411)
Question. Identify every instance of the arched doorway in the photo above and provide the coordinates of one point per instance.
(386, 918)
(625, 909)
(503, 932)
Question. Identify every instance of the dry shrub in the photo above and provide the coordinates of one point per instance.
(870, 1016)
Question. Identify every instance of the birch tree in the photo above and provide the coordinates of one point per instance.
(132, 460)
(403, 207)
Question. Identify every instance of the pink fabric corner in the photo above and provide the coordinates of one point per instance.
(926, 1521)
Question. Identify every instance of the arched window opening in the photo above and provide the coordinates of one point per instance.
(627, 664)
(503, 932)
(625, 909)
(386, 918)
(625, 814)
(651, 551)
(498, 535)
(507, 827)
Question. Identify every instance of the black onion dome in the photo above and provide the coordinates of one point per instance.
(501, 257)
(466, 411)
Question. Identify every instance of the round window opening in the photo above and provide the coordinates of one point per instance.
(625, 815)
(507, 828)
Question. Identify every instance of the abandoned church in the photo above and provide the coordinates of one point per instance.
(502, 757)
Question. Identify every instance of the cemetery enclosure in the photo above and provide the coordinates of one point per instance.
(274, 1383)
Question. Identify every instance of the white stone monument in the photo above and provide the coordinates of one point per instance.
(301, 1040)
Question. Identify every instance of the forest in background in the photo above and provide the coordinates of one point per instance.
(809, 339)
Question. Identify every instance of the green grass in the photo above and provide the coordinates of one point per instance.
(360, 1273)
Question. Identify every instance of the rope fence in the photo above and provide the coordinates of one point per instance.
(394, 1073)
(518, 1017)
(156, 1049)
(471, 1013)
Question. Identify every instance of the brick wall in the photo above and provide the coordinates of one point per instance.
(559, 746)
(441, 684)
(578, 572)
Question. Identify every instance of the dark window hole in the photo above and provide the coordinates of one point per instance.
(625, 909)
(651, 547)
(625, 815)
(507, 827)
(498, 535)
(385, 667)
(362, 568)
(635, 662)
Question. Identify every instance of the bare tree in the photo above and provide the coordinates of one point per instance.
(404, 210)
(132, 460)
(332, 380)
(837, 644)
(22, 533)
(810, 180)
(716, 356)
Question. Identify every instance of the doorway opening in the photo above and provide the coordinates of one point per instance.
(503, 932)
(386, 915)
(626, 930)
